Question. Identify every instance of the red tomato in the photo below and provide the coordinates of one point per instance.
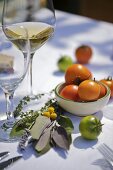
(83, 54)
(102, 91)
(70, 92)
(77, 73)
(109, 83)
(89, 90)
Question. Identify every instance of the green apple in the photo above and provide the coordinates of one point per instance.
(64, 62)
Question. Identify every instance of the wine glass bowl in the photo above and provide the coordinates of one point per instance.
(37, 16)
(13, 68)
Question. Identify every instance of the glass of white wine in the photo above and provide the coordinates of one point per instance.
(37, 16)
(13, 68)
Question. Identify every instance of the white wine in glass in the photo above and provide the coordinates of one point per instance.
(37, 16)
(38, 33)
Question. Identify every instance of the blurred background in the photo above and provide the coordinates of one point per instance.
(96, 9)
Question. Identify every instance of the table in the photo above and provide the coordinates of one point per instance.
(71, 31)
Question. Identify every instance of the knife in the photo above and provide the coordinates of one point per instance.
(9, 162)
(4, 155)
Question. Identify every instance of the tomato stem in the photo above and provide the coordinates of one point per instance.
(98, 125)
(109, 78)
(78, 80)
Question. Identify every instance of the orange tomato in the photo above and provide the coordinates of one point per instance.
(89, 90)
(77, 73)
(102, 91)
(70, 92)
(83, 54)
(109, 83)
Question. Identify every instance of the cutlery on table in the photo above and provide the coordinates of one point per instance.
(7, 163)
(3, 155)
(104, 164)
(107, 152)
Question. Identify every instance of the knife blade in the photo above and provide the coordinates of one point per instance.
(4, 155)
(9, 162)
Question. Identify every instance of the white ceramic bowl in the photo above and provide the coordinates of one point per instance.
(81, 108)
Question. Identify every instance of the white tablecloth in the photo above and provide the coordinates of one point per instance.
(71, 31)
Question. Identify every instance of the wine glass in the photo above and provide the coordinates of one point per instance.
(37, 16)
(13, 68)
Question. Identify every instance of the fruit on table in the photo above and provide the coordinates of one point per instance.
(70, 92)
(64, 62)
(109, 83)
(51, 110)
(90, 127)
(83, 54)
(50, 113)
(53, 116)
(77, 73)
(47, 114)
(89, 90)
(102, 91)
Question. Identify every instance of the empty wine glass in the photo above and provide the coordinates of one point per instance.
(37, 16)
(13, 68)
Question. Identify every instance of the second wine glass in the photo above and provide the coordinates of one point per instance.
(13, 68)
(37, 16)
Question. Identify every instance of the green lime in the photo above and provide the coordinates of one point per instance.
(64, 62)
(90, 127)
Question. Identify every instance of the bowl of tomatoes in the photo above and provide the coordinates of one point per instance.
(80, 107)
(81, 94)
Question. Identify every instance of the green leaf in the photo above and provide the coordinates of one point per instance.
(70, 138)
(40, 124)
(44, 139)
(19, 126)
(45, 149)
(60, 137)
(65, 122)
(17, 130)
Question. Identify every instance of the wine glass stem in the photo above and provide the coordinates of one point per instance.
(31, 74)
(9, 109)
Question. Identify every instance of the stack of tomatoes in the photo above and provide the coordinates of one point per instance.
(79, 85)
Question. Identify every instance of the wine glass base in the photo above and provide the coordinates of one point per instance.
(37, 101)
(5, 133)
(40, 95)
(32, 97)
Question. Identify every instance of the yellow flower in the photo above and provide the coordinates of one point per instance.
(53, 116)
(51, 109)
(47, 114)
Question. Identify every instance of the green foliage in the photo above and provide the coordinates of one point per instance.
(60, 137)
(65, 122)
(45, 133)
(44, 140)
(17, 130)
